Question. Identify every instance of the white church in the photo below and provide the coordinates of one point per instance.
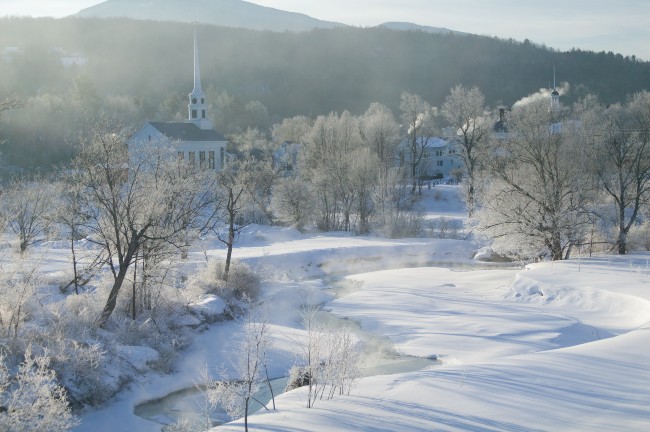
(195, 139)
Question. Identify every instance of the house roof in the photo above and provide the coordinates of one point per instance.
(187, 132)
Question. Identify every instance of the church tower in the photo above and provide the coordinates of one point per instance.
(197, 108)
(555, 95)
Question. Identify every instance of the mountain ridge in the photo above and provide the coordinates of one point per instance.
(227, 13)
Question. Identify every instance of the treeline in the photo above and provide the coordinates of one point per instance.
(143, 70)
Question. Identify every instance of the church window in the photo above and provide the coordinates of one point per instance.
(202, 159)
(193, 113)
(211, 159)
(192, 157)
(194, 101)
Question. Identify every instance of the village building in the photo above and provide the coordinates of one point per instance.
(195, 139)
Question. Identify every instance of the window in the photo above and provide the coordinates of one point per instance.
(202, 100)
(181, 156)
(191, 156)
(211, 159)
(438, 153)
(202, 113)
(222, 156)
(193, 113)
(149, 138)
(194, 100)
(439, 163)
(202, 159)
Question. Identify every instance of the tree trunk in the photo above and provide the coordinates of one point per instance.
(112, 297)
(117, 284)
(621, 241)
(74, 263)
(231, 234)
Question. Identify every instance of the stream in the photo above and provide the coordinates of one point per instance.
(379, 358)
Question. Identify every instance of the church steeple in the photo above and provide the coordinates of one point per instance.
(555, 95)
(197, 108)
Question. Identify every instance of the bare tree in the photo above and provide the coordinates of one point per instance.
(464, 109)
(71, 217)
(28, 207)
(331, 360)
(236, 396)
(292, 202)
(138, 197)
(9, 104)
(294, 129)
(325, 162)
(622, 162)
(534, 203)
(18, 289)
(418, 119)
(380, 132)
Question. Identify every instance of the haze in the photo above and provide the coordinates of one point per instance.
(586, 24)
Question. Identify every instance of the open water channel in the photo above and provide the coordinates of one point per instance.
(379, 358)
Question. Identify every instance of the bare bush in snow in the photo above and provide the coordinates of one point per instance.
(236, 396)
(33, 400)
(331, 360)
(243, 283)
(292, 202)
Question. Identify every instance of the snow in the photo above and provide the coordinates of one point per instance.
(553, 346)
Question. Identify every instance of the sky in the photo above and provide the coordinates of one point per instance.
(597, 25)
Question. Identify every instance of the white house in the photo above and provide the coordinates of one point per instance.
(195, 139)
(441, 158)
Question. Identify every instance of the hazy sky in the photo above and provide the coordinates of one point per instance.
(621, 26)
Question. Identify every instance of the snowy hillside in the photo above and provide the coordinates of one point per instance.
(553, 346)
(228, 13)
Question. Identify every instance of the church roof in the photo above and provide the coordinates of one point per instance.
(187, 132)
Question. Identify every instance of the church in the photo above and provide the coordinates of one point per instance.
(194, 140)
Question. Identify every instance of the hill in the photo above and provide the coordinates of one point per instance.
(142, 70)
(228, 13)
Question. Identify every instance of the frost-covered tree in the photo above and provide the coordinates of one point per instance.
(419, 120)
(325, 163)
(34, 401)
(28, 207)
(292, 202)
(136, 198)
(18, 288)
(465, 111)
(534, 203)
(295, 129)
(330, 360)
(621, 138)
(380, 133)
(236, 396)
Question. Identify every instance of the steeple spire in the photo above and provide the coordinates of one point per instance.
(197, 67)
(555, 95)
(197, 108)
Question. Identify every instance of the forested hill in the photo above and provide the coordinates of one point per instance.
(143, 70)
(304, 73)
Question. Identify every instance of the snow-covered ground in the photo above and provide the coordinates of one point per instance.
(554, 346)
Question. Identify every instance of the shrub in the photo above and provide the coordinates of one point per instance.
(242, 285)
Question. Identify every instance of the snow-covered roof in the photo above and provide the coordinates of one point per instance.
(187, 132)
